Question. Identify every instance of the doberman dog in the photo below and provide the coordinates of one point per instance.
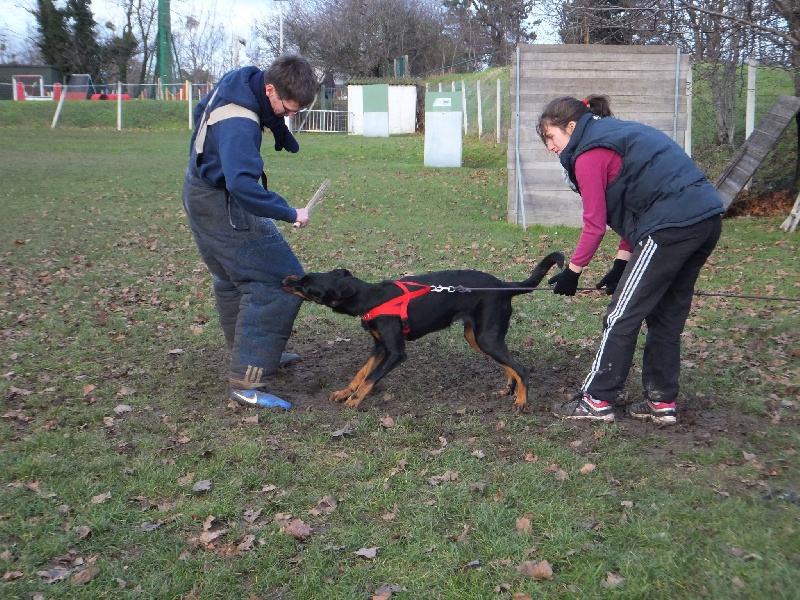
(396, 311)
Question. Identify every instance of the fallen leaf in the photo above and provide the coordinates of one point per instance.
(12, 575)
(536, 570)
(524, 525)
(86, 575)
(462, 539)
(202, 486)
(344, 431)
(613, 580)
(298, 530)
(387, 422)
(390, 589)
(446, 476)
(126, 391)
(587, 468)
(367, 552)
(122, 408)
(209, 536)
(150, 525)
(246, 543)
(82, 532)
(251, 516)
(324, 507)
(100, 498)
(54, 574)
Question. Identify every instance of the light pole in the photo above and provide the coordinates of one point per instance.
(280, 22)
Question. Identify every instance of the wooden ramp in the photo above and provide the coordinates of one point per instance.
(756, 147)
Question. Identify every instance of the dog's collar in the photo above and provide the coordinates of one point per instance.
(397, 307)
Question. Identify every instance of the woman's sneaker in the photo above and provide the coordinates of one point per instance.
(258, 398)
(662, 413)
(584, 407)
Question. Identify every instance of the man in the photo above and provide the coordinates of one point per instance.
(231, 216)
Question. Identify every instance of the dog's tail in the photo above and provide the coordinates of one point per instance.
(539, 272)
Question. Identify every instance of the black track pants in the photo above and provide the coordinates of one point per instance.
(657, 288)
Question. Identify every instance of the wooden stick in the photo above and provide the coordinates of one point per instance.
(315, 198)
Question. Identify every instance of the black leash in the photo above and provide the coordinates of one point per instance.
(462, 289)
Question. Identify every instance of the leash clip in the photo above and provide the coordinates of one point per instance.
(442, 288)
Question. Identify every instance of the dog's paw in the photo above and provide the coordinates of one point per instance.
(340, 395)
(520, 407)
(353, 401)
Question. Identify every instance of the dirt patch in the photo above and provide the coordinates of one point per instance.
(465, 383)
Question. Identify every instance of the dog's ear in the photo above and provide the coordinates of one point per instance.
(338, 295)
(341, 273)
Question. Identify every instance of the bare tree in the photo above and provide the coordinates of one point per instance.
(777, 23)
(201, 45)
(505, 22)
(361, 37)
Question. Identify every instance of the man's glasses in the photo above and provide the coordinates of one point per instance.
(289, 111)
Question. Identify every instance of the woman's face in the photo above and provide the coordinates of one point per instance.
(556, 139)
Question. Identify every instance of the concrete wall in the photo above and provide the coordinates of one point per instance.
(402, 109)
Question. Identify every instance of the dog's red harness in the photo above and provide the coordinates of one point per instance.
(398, 307)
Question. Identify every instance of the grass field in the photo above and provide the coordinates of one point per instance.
(124, 472)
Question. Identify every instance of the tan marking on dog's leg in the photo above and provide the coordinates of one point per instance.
(352, 387)
(361, 393)
(522, 393)
(469, 335)
(512, 379)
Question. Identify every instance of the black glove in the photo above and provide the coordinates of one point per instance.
(611, 279)
(565, 283)
(284, 140)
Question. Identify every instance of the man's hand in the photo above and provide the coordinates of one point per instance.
(284, 140)
(611, 279)
(565, 283)
(302, 218)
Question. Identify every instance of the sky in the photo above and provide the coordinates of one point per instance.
(15, 20)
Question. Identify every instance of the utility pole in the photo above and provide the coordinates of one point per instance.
(280, 21)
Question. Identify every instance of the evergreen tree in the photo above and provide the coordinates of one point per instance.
(84, 50)
(51, 23)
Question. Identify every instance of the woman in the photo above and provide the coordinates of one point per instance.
(640, 183)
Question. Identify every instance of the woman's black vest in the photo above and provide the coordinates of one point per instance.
(658, 186)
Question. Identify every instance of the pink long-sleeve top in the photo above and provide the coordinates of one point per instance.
(594, 170)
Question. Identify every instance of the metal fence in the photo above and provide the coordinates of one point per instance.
(324, 121)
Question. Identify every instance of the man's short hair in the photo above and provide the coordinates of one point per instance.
(293, 79)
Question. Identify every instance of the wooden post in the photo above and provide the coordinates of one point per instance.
(480, 115)
(790, 224)
(750, 111)
(119, 106)
(498, 112)
(188, 87)
(464, 105)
